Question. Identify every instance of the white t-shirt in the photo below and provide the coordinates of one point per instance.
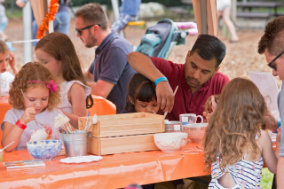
(44, 118)
(64, 89)
(6, 79)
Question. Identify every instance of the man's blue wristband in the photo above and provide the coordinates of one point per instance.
(160, 79)
(278, 123)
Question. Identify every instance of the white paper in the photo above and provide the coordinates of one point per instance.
(267, 86)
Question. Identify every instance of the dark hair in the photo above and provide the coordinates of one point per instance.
(139, 88)
(92, 13)
(209, 47)
(60, 46)
(273, 37)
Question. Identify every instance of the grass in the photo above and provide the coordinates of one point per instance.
(16, 13)
(266, 179)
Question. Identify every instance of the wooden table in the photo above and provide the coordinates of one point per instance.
(113, 171)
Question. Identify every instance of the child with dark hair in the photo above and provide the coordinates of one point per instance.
(141, 95)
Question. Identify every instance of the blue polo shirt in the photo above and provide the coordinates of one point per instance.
(110, 64)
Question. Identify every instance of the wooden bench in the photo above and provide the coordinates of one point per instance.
(248, 7)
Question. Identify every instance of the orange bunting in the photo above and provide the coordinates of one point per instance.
(50, 15)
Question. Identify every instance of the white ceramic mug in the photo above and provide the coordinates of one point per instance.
(189, 118)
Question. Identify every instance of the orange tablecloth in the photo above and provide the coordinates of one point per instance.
(113, 171)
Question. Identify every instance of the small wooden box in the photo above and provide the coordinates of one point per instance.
(119, 133)
(125, 124)
(113, 145)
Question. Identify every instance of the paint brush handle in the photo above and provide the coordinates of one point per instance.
(166, 113)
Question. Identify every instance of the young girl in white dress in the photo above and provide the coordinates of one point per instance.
(236, 143)
(57, 53)
(34, 96)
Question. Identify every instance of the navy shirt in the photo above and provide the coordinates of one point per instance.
(110, 64)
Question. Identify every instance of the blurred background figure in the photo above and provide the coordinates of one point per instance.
(129, 12)
(224, 9)
(3, 21)
(61, 22)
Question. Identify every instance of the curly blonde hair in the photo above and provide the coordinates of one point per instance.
(235, 123)
(32, 71)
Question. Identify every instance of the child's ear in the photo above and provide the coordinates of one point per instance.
(130, 100)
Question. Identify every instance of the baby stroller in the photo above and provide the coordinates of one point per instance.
(159, 39)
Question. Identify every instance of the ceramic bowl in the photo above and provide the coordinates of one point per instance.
(44, 149)
(195, 131)
(169, 142)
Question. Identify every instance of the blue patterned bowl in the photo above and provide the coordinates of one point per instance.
(44, 149)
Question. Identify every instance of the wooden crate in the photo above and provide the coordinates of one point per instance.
(125, 124)
(113, 145)
(131, 132)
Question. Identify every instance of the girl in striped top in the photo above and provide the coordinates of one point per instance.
(236, 143)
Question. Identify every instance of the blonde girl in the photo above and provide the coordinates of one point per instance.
(6, 78)
(34, 96)
(57, 53)
(235, 142)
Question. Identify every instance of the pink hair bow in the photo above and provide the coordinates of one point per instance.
(52, 86)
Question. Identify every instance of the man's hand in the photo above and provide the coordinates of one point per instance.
(165, 96)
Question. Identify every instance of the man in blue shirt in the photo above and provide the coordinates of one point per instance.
(110, 70)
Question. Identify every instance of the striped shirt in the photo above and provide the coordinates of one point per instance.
(246, 174)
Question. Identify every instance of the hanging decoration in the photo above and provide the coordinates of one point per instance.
(50, 16)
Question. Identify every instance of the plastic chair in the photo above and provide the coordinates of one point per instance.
(102, 106)
(4, 107)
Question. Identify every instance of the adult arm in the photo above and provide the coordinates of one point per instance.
(144, 65)
(101, 88)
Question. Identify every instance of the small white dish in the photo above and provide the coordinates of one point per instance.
(81, 159)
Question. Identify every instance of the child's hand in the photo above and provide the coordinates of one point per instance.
(48, 130)
(12, 63)
(28, 115)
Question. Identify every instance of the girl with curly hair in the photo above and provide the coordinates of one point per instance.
(57, 53)
(236, 143)
(34, 96)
